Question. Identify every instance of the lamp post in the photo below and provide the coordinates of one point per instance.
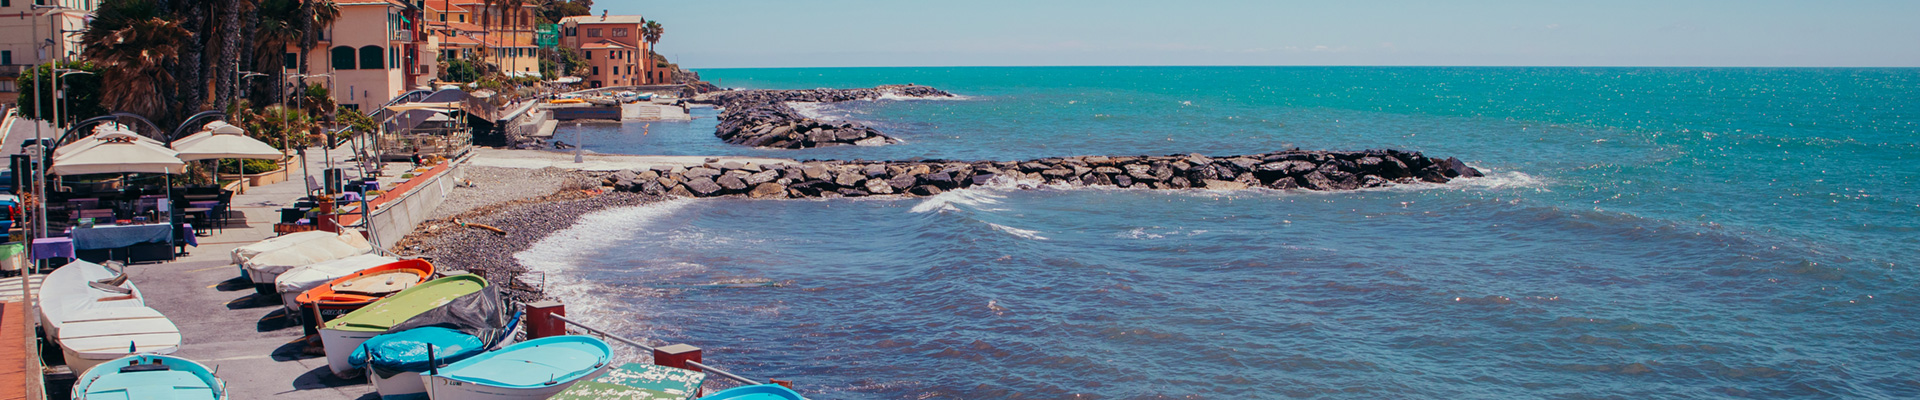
(304, 172)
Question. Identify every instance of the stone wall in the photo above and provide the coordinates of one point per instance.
(1293, 169)
(761, 118)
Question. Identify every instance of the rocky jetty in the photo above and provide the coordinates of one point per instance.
(1294, 169)
(762, 118)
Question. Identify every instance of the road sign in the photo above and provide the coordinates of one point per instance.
(546, 35)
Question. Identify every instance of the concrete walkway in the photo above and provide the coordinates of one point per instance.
(225, 325)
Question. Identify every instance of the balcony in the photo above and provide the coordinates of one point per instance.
(13, 70)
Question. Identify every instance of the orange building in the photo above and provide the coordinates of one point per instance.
(616, 54)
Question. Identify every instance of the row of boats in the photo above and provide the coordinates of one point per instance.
(414, 332)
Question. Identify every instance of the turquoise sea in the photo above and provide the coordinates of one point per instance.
(1642, 233)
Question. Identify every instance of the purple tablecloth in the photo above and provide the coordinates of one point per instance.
(57, 247)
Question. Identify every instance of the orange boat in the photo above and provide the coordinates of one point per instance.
(345, 294)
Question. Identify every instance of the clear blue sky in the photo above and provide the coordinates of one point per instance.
(850, 33)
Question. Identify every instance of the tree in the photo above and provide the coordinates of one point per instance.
(459, 71)
(316, 17)
(227, 75)
(651, 33)
(81, 96)
(134, 45)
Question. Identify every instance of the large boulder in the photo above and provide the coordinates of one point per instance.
(766, 190)
(703, 187)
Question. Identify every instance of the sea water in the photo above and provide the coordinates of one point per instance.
(1641, 233)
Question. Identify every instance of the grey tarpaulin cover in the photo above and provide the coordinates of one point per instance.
(480, 314)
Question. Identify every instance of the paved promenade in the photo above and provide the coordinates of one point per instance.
(225, 325)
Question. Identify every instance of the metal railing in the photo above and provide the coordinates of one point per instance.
(650, 349)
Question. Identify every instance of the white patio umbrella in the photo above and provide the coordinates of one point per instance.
(221, 140)
(116, 152)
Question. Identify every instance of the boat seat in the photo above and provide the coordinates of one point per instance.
(145, 368)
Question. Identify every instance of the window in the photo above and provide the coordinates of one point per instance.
(589, 54)
(596, 70)
(371, 57)
(6, 57)
(393, 57)
(443, 17)
(619, 32)
(291, 60)
(8, 87)
(463, 18)
(593, 32)
(616, 70)
(342, 57)
(573, 31)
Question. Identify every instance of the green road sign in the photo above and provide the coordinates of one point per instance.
(546, 35)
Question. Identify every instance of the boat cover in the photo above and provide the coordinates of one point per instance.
(481, 314)
(243, 253)
(297, 280)
(267, 266)
(109, 333)
(65, 295)
(406, 351)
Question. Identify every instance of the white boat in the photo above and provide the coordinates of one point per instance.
(96, 336)
(534, 369)
(65, 294)
(341, 336)
(243, 253)
(265, 267)
(295, 281)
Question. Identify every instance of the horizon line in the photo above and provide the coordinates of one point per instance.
(1319, 65)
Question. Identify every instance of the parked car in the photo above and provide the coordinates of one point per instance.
(9, 212)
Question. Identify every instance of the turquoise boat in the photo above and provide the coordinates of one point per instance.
(756, 392)
(150, 376)
(534, 369)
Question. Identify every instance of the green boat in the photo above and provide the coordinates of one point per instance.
(340, 336)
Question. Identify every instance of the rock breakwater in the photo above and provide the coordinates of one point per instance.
(762, 118)
(1293, 169)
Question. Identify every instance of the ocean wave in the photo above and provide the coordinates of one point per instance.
(557, 256)
(965, 197)
(1029, 234)
(819, 111)
(898, 97)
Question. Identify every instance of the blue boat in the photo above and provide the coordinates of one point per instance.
(756, 392)
(534, 369)
(150, 376)
(394, 361)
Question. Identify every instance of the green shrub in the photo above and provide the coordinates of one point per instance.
(233, 166)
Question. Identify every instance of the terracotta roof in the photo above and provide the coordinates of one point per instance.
(605, 44)
(611, 19)
(450, 7)
(462, 40)
(396, 3)
(503, 41)
(458, 26)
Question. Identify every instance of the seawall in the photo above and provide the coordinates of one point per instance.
(761, 118)
(1292, 169)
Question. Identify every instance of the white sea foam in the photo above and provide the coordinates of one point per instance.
(972, 198)
(819, 111)
(1029, 234)
(559, 254)
(899, 97)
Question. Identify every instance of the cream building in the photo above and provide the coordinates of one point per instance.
(25, 29)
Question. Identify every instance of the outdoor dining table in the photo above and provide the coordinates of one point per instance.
(111, 238)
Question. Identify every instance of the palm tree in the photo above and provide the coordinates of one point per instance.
(651, 33)
(135, 45)
(226, 77)
(316, 17)
(278, 26)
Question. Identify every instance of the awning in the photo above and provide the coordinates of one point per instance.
(116, 152)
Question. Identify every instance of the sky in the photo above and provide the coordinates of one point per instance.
(873, 33)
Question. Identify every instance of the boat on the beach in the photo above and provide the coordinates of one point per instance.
(295, 283)
(149, 376)
(266, 266)
(534, 369)
(243, 253)
(341, 336)
(756, 392)
(79, 287)
(394, 361)
(95, 336)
